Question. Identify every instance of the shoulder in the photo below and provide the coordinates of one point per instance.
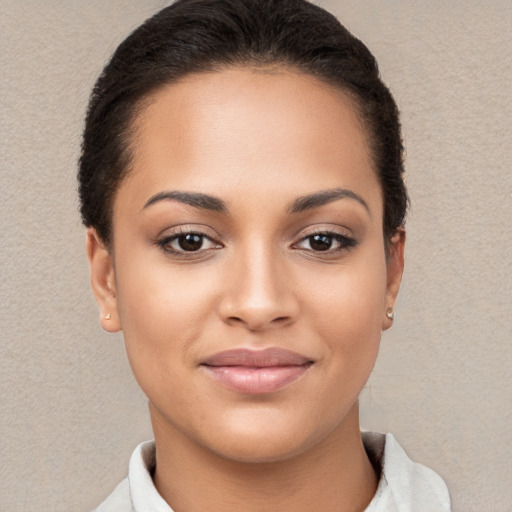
(405, 485)
(119, 500)
(137, 492)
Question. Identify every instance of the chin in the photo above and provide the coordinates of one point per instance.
(264, 442)
(261, 449)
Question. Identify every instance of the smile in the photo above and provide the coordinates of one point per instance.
(256, 372)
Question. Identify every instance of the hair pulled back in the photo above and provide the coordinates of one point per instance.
(206, 35)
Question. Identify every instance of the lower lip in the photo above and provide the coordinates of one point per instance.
(255, 381)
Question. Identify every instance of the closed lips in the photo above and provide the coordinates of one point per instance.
(269, 357)
(256, 372)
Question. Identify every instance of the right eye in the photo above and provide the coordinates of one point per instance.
(183, 243)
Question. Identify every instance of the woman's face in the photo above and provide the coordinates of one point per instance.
(248, 268)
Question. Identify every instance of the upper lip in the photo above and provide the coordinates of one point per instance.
(265, 358)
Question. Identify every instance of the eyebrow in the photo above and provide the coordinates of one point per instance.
(195, 199)
(212, 203)
(323, 197)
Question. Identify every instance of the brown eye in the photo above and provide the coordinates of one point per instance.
(187, 243)
(190, 242)
(326, 242)
(321, 242)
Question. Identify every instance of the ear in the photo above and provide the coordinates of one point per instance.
(103, 280)
(395, 267)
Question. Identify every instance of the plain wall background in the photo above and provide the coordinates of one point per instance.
(70, 412)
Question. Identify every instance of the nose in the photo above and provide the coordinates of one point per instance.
(258, 292)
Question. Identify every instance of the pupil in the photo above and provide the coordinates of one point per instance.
(320, 242)
(191, 242)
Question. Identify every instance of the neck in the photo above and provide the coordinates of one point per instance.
(334, 475)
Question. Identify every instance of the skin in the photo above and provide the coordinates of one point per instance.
(257, 140)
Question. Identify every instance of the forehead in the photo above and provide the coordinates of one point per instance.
(240, 129)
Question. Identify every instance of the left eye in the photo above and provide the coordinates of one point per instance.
(321, 242)
(187, 242)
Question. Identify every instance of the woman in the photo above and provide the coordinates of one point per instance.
(241, 182)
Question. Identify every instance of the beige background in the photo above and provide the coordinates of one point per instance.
(70, 412)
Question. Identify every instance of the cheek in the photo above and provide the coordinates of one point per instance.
(162, 309)
(350, 297)
(346, 308)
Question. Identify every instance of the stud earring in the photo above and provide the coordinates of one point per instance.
(390, 313)
(108, 316)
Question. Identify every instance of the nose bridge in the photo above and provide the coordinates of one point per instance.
(258, 293)
(259, 274)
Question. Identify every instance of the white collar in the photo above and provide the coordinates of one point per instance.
(404, 485)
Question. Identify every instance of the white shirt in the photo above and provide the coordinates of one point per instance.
(404, 486)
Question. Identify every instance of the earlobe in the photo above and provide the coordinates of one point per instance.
(103, 281)
(395, 267)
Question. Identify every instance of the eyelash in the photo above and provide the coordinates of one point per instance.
(344, 242)
(165, 243)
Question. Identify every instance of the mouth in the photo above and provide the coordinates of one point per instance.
(256, 371)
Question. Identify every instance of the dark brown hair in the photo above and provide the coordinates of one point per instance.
(204, 35)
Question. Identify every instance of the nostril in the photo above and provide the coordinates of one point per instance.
(256, 313)
(256, 324)
(236, 320)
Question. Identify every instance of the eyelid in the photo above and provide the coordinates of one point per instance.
(167, 236)
(186, 229)
(343, 236)
(319, 229)
(344, 242)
